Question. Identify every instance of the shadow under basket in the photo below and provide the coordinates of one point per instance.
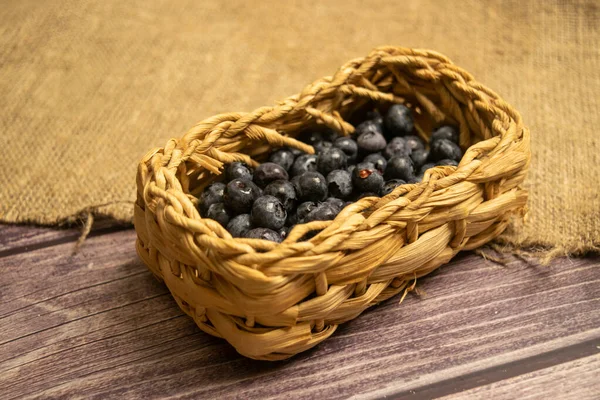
(270, 300)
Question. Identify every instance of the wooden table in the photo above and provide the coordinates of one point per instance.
(97, 324)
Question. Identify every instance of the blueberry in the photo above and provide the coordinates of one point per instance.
(396, 147)
(389, 186)
(419, 157)
(211, 195)
(377, 160)
(348, 146)
(447, 162)
(366, 178)
(239, 225)
(414, 143)
(238, 170)
(284, 191)
(312, 187)
(445, 132)
(322, 146)
(399, 121)
(331, 160)
(268, 172)
(219, 213)
(240, 195)
(268, 212)
(445, 149)
(282, 157)
(370, 142)
(376, 117)
(296, 152)
(367, 126)
(304, 163)
(310, 137)
(425, 167)
(339, 183)
(330, 135)
(303, 210)
(415, 179)
(399, 167)
(339, 204)
(323, 212)
(264, 233)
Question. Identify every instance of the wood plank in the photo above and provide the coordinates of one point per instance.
(577, 380)
(98, 324)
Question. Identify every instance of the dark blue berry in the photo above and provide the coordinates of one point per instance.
(284, 191)
(419, 158)
(396, 147)
(268, 172)
(348, 146)
(322, 146)
(413, 143)
(389, 186)
(219, 213)
(304, 163)
(425, 167)
(283, 157)
(264, 233)
(447, 162)
(331, 160)
(323, 212)
(399, 167)
(303, 210)
(268, 212)
(339, 204)
(296, 152)
(239, 225)
(377, 160)
(312, 187)
(445, 132)
(370, 142)
(416, 179)
(399, 121)
(330, 135)
(238, 170)
(366, 178)
(311, 137)
(367, 127)
(442, 149)
(339, 183)
(213, 194)
(240, 195)
(376, 117)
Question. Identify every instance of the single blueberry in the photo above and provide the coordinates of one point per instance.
(264, 233)
(219, 213)
(339, 204)
(447, 162)
(370, 142)
(389, 186)
(330, 135)
(331, 160)
(339, 183)
(268, 212)
(396, 147)
(348, 146)
(240, 195)
(238, 170)
(445, 132)
(376, 117)
(322, 146)
(419, 157)
(282, 157)
(303, 210)
(239, 225)
(323, 212)
(284, 191)
(296, 152)
(312, 187)
(443, 149)
(377, 160)
(413, 143)
(268, 172)
(399, 121)
(366, 178)
(211, 195)
(310, 137)
(367, 126)
(304, 163)
(399, 167)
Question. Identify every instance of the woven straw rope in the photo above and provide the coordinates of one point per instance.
(271, 301)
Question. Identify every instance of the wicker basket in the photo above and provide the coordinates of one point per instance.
(271, 301)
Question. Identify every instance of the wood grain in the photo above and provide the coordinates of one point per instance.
(577, 380)
(97, 324)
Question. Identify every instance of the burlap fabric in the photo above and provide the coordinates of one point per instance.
(86, 88)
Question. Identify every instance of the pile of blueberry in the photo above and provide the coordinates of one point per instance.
(294, 187)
